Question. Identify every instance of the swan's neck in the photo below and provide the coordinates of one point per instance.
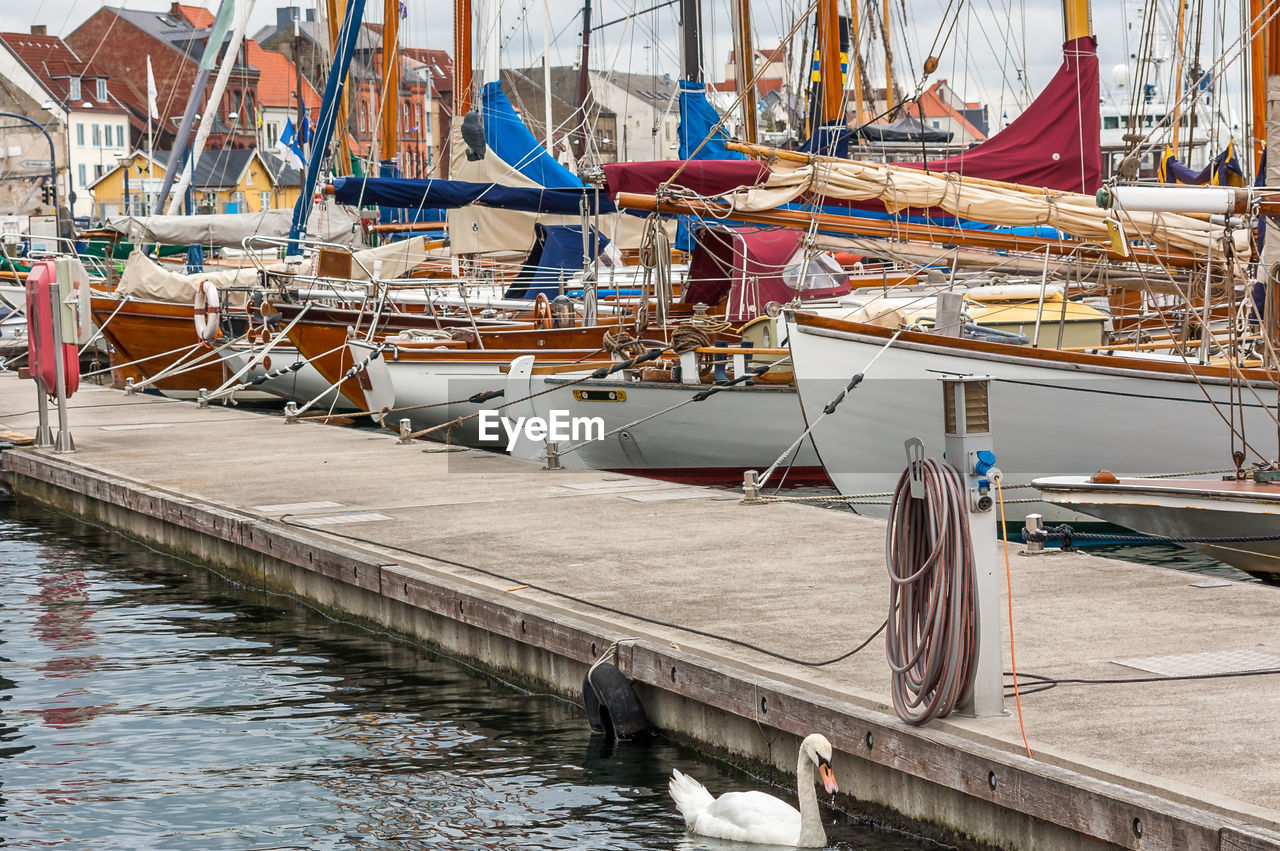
(811, 833)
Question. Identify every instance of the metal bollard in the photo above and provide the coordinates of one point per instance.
(129, 387)
(553, 456)
(290, 412)
(202, 398)
(1035, 525)
(750, 487)
(406, 432)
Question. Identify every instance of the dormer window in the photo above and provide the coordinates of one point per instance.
(102, 90)
(74, 92)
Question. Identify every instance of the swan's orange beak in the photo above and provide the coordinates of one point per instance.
(828, 778)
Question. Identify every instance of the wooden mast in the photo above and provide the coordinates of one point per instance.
(1179, 57)
(831, 80)
(1077, 22)
(1258, 79)
(335, 10)
(462, 60)
(854, 62)
(390, 83)
(744, 67)
(888, 59)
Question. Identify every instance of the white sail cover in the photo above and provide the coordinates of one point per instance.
(328, 223)
(984, 201)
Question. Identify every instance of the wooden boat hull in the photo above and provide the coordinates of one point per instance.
(1185, 508)
(1051, 412)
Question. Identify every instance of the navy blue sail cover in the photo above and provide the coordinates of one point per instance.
(451, 194)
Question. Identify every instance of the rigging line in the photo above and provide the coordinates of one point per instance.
(1190, 371)
(629, 17)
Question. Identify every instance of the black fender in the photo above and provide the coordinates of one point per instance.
(613, 709)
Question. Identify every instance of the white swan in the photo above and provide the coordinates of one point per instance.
(756, 816)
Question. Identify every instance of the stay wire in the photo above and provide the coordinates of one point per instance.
(600, 606)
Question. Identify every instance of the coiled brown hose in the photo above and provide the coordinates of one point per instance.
(931, 643)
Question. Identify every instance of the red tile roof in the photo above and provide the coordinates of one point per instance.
(277, 83)
(199, 18)
(763, 86)
(54, 63)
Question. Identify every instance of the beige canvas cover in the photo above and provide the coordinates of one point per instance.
(483, 230)
(1003, 204)
(143, 278)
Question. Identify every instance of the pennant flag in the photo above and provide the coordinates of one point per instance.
(217, 35)
(152, 109)
(289, 146)
(306, 128)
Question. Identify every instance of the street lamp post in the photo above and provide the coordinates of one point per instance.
(53, 164)
(125, 161)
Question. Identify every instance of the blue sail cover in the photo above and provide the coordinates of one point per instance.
(698, 120)
(556, 255)
(506, 136)
(451, 194)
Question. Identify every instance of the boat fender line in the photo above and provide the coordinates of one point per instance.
(207, 312)
(1068, 536)
(485, 396)
(613, 709)
(606, 371)
(835, 403)
(754, 372)
(279, 373)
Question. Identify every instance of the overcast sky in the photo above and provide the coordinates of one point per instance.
(992, 44)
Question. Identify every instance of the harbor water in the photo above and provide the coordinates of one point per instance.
(150, 703)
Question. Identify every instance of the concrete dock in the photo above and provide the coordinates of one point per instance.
(536, 573)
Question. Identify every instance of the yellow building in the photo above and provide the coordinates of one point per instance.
(226, 181)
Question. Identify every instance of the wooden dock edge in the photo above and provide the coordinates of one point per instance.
(947, 786)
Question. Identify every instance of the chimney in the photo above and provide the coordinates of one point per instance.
(39, 29)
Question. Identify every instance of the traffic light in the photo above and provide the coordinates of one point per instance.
(47, 194)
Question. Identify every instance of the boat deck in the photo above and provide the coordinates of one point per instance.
(513, 561)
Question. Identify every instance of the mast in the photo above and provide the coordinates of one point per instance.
(1258, 78)
(334, 12)
(744, 67)
(1076, 20)
(390, 86)
(546, 73)
(1179, 58)
(584, 85)
(888, 59)
(334, 86)
(855, 66)
(462, 61)
(830, 77)
(690, 39)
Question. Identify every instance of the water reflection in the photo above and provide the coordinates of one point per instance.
(153, 704)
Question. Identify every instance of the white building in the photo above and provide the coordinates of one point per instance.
(647, 110)
(93, 125)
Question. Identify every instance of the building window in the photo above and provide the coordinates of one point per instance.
(98, 170)
(122, 139)
(1110, 122)
(97, 135)
(73, 89)
(264, 201)
(84, 175)
(102, 90)
(273, 134)
(80, 133)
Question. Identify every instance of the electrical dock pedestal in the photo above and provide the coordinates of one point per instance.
(970, 450)
(534, 575)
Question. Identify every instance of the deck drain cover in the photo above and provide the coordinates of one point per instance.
(1192, 664)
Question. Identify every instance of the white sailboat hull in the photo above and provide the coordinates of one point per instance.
(1047, 417)
(712, 441)
(301, 385)
(1185, 509)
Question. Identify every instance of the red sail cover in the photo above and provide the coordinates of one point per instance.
(1055, 143)
(705, 177)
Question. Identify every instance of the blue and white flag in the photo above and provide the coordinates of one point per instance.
(289, 146)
